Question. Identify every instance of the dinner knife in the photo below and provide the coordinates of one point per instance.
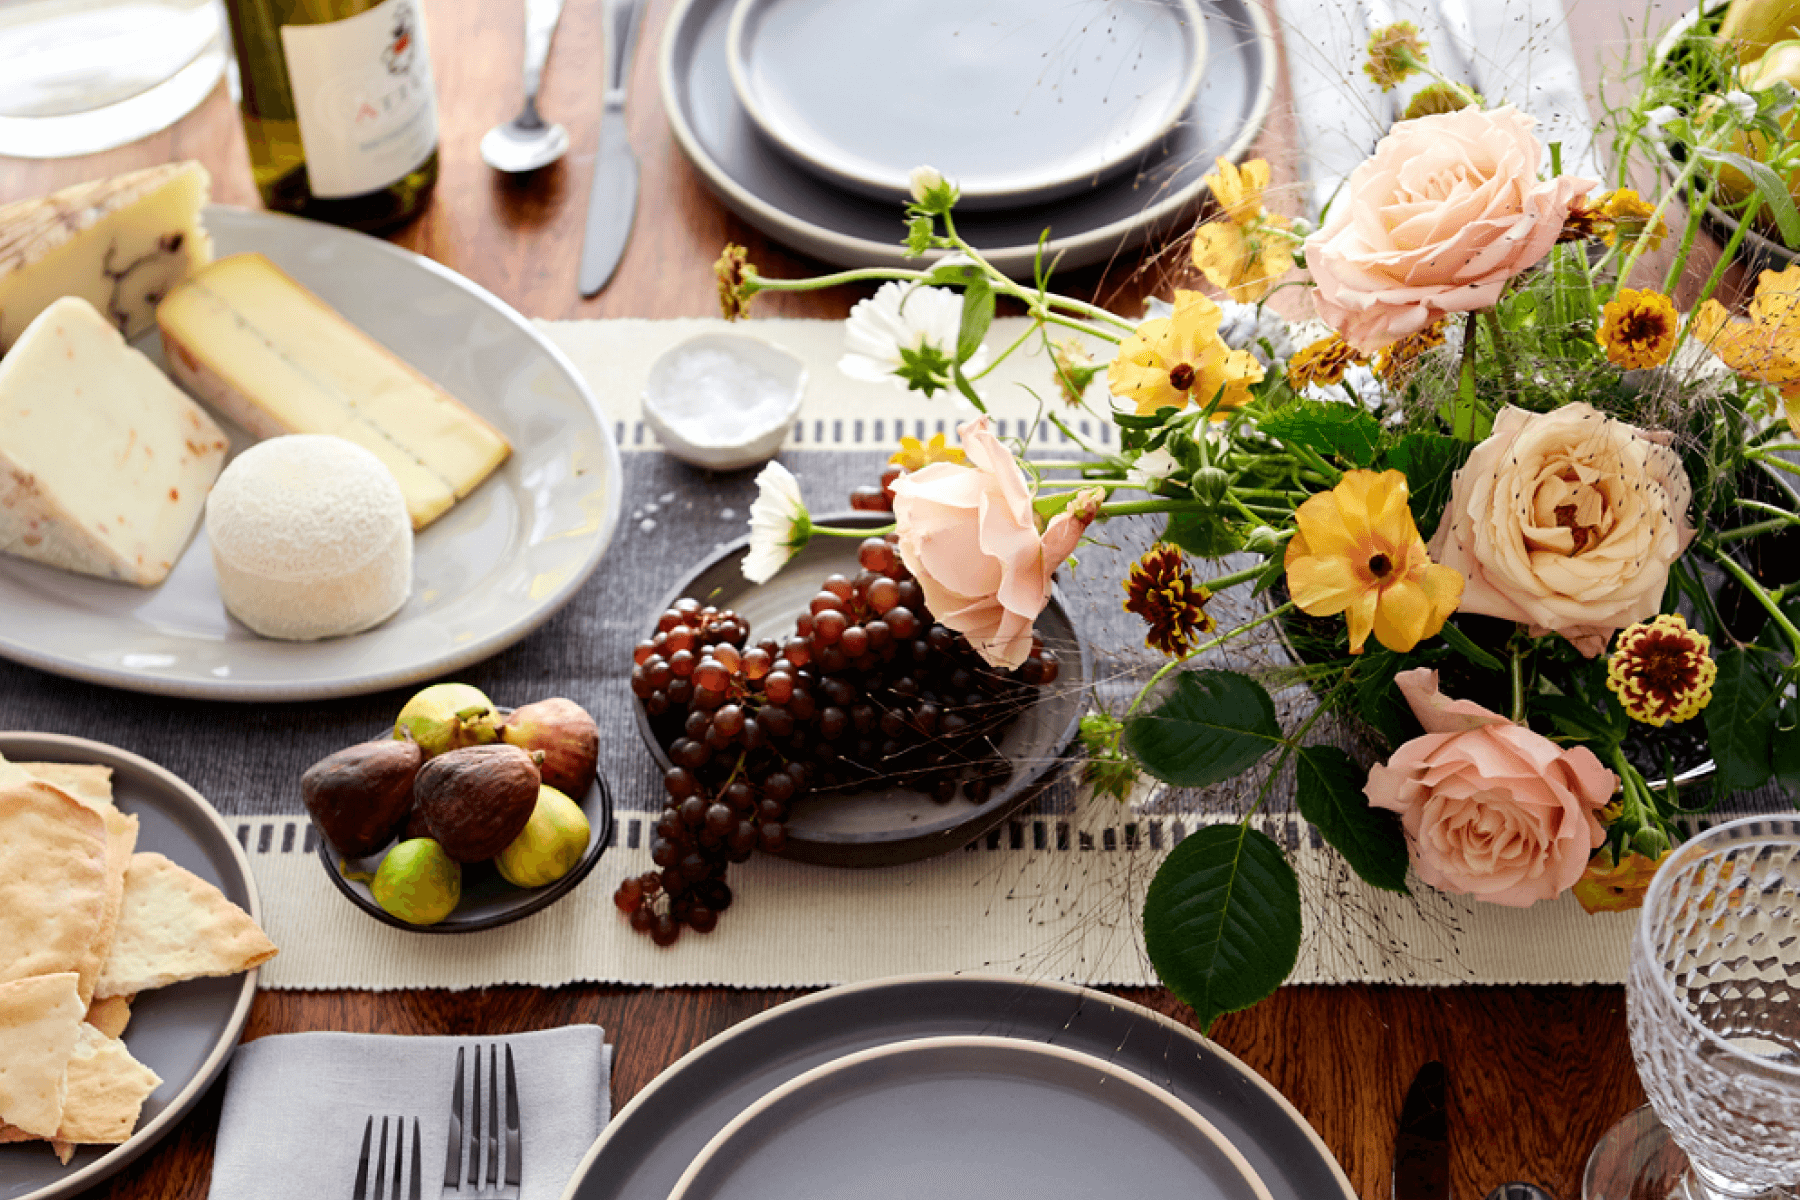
(1422, 1146)
(613, 203)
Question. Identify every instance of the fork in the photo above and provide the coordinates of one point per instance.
(415, 1176)
(476, 1139)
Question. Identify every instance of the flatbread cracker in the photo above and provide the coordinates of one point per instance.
(110, 1014)
(10, 774)
(105, 1089)
(121, 840)
(174, 926)
(89, 783)
(53, 883)
(40, 1022)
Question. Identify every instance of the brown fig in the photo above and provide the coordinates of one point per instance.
(359, 796)
(477, 799)
(567, 737)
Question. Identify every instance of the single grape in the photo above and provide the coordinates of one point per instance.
(629, 896)
(776, 721)
(711, 675)
(682, 638)
(884, 594)
(665, 930)
(720, 820)
(875, 555)
(679, 782)
(702, 919)
(682, 663)
(855, 642)
(669, 619)
(822, 603)
(693, 813)
(797, 651)
(729, 720)
(756, 663)
(641, 687)
(680, 692)
(779, 687)
(772, 838)
(664, 853)
(643, 651)
(642, 920)
(871, 498)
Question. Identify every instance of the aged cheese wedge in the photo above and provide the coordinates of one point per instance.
(104, 464)
(276, 359)
(40, 1022)
(119, 243)
(174, 926)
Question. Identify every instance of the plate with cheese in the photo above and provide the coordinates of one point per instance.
(148, 340)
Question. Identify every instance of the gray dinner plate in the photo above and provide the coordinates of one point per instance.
(1019, 102)
(887, 825)
(771, 191)
(184, 1032)
(485, 574)
(651, 1141)
(968, 1118)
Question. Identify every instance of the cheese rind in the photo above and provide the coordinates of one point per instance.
(120, 244)
(273, 357)
(104, 464)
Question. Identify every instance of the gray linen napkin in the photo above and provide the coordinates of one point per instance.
(295, 1106)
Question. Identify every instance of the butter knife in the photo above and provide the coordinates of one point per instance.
(1422, 1145)
(613, 203)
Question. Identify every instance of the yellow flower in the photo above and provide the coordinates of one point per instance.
(1638, 329)
(1765, 348)
(1356, 551)
(737, 281)
(914, 455)
(1607, 886)
(1396, 52)
(1630, 216)
(1323, 362)
(1168, 361)
(1660, 670)
(1246, 250)
(1399, 362)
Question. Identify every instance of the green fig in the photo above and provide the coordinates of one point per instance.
(549, 846)
(418, 882)
(448, 716)
(567, 736)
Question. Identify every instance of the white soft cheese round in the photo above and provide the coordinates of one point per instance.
(310, 538)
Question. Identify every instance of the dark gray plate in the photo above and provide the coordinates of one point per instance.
(651, 1142)
(768, 189)
(886, 826)
(968, 1118)
(185, 1032)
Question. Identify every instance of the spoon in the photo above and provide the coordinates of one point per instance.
(526, 142)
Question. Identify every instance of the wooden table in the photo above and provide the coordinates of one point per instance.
(1536, 1074)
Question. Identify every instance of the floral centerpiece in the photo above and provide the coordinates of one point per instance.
(1523, 520)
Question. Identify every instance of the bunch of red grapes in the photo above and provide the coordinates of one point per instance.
(867, 690)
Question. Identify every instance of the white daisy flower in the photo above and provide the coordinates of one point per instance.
(905, 334)
(1744, 103)
(922, 180)
(1151, 468)
(780, 526)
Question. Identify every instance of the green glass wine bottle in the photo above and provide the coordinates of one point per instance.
(339, 107)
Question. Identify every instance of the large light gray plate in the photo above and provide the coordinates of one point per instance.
(791, 204)
(649, 1144)
(1018, 101)
(185, 1032)
(968, 1118)
(486, 574)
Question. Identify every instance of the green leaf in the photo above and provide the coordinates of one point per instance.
(1770, 186)
(1430, 462)
(1576, 719)
(1786, 757)
(1329, 428)
(1222, 920)
(1204, 535)
(977, 315)
(918, 236)
(1740, 722)
(1378, 701)
(1459, 641)
(1155, 420)
(1329, 788)
(1212, 726)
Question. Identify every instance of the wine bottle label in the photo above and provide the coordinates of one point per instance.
(364, 97)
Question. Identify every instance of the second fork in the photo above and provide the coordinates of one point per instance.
(483, 1140)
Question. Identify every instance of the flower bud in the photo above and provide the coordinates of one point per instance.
(1263, 541)
(922, 179)
(1210, 484)
(1651, 842)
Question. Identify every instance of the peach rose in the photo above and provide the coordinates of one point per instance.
(1491, 809)
(970, 537)
(1566, 521)
(1447, 210)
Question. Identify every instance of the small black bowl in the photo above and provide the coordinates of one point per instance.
(888, 825)
(488, 901)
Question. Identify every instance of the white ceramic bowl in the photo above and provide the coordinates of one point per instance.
(724, 401)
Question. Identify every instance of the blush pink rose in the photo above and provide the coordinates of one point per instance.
(1447, 210)
(1491, 809)
(970, 537)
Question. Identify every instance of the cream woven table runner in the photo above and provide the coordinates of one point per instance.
(1051, 895)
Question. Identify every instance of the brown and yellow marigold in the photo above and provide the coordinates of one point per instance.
(1323, 362)
(1660, 670)
(1399, 362)
(1638, 329)
(737, 281)
(1160, 589)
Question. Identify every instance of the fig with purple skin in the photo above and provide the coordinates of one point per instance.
(361, 794)
(566, 735)
(477, 799)
(448, 716)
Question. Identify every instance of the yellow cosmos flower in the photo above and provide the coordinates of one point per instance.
(1638, 329)
(1245, 251)
(1239, 190)
(1765, 348)
(1661, 671)
(1356, 551)
(1607, 886)
(915, 455)
(1169, 361)
(1323, 362)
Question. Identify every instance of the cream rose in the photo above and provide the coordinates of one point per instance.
(1447, 210)
(970, 537)
(1567, 522)
(1491, 810)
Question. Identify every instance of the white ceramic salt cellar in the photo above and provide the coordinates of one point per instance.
(723, 401)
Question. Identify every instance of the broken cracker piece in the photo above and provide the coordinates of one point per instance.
(173, 926)
(40, 1023)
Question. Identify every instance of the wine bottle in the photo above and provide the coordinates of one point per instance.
(339, 107)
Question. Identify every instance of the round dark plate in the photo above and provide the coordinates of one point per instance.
(185, 1032)
(886, 826)
(652, 1140)
(487, 900)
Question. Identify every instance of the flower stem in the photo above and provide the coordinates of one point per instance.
(1518, 688)
(1761, 527)
(872, 531)
(1641, 243)
(1163, 671)
(1749, 584)
(1220, 583)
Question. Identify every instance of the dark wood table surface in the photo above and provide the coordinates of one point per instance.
(1537, 1074)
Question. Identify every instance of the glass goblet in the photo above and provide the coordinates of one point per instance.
(1713, 1008)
